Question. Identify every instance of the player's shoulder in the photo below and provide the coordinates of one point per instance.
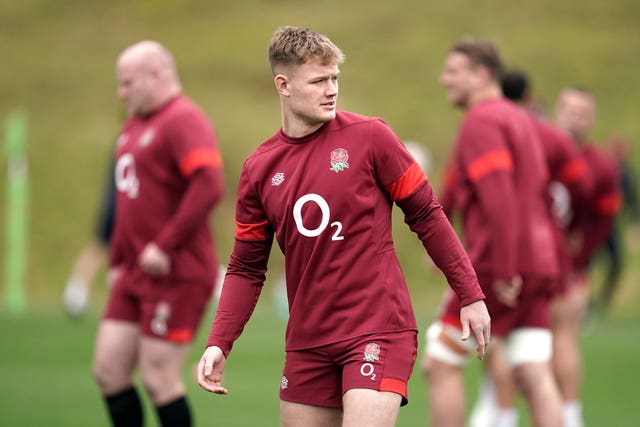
(272, 143)
(182, 107)
(361, 127)
(601, 158)
(345, 118)
(549, 131)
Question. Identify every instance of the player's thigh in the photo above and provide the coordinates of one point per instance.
(162, 360)
(115, 352)
(568, 309)
(294, 414)
(372, 408)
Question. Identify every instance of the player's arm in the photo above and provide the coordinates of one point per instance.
(446, 198)
(405, 182)
(604, 207)
(192, 144)
(425, 217)
(242, 284)
(488, 167)
(573, 171)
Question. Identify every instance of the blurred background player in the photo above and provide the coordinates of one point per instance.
(323, 186)
(591, 224)
(497, 181)
(627, 219)
(163, 263)
(92, 256)
(569, 181)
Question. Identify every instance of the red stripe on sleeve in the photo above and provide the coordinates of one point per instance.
(493, 161)
(609, 204)
(251, 231)
(573, 171)
(449, 178)
(205, 156)
(407, 183)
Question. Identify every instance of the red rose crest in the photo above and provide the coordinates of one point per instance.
(339, 160)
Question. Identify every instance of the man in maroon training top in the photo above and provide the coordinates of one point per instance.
(324, 186)
(591, 224)
(500, 186)
(163, 264)
(569, 184)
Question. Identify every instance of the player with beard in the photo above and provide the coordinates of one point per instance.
(498, 183)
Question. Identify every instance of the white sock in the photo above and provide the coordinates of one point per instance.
(483, 413)
(572, 413)
(506, 417)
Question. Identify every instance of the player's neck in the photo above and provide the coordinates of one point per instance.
(165, 96)
(484, 94)
(296, 128)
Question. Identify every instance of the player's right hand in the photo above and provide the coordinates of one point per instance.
(210, 369)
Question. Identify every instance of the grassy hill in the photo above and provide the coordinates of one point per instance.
(58, 61)
(58, 67)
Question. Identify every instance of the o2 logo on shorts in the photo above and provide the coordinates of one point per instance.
(371, 354)
(368, 370)
(326, 214)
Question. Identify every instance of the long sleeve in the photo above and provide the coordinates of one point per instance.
(247, 267)
(425, 217)
(203, 191)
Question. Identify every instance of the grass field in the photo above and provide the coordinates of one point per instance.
(58, 59)
(46, 379)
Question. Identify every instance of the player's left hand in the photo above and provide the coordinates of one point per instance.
(210, 370)
(154, 261)
(475, 317)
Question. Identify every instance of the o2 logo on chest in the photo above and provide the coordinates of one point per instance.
(125, 176)
(326, 217)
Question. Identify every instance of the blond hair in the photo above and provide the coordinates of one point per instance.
(295, 46)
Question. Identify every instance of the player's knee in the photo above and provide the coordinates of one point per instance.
(108, 378)
(162, 385)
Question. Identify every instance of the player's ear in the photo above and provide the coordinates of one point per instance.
(282, 84)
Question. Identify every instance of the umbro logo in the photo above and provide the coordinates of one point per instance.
(277, 179)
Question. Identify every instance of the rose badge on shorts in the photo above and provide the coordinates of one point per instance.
(372, 352)
(159, 321)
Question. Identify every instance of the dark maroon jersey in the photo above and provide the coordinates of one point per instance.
(498, 181)
(327, 198)
(168, 179)
(564, 161)
(594, 217)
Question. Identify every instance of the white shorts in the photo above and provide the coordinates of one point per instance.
(523, 345)
(528, 345)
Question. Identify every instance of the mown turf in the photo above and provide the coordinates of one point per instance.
(46, 378)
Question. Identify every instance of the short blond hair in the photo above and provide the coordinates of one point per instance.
(295, 46)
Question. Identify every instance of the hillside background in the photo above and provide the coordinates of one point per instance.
(58, 68)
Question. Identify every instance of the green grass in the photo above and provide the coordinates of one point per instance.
(46, 378)
(58, 62)
(58, 65)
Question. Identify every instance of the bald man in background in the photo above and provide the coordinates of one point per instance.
(163, 264)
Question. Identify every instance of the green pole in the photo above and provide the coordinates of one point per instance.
(16, 214)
